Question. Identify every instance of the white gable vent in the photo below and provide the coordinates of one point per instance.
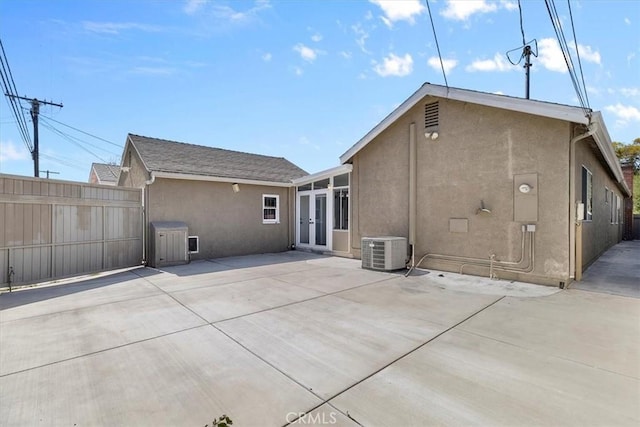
(384, 253)
(431, 116)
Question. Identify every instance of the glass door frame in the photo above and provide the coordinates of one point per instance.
(327, 192)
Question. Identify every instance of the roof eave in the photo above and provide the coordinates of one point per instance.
(603, 141)
(538, 108)
(192, 177)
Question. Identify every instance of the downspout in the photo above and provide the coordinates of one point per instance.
(575, 226)
(412, 191)
(145, 213)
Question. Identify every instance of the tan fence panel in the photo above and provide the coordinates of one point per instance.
(51, 229)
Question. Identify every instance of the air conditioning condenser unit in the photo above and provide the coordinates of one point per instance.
(384, 253)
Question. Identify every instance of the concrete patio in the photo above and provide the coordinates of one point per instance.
(276, 338)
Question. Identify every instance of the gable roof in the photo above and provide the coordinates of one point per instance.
(106, 173)
(529, 106)
(593, 120)
(171, 157)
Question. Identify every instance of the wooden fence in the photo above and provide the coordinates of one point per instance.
(51, 229)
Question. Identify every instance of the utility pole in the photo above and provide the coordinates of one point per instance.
(526, 52)
(35, 111)
(50, 172)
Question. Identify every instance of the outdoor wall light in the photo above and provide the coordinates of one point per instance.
(431, 135)
(525, 188)
(235, 187)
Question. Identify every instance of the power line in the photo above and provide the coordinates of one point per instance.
(70, 139)
(81, 131)
(575, 41)
(9, 89)
(81, 141)
(555, 22)
(435, 36)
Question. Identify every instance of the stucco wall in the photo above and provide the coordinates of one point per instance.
(227, 223)
(137, 175)
(598, 234)
(476, 156)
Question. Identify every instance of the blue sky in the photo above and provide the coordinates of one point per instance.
(298, 79)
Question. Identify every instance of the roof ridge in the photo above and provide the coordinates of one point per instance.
(204, 146)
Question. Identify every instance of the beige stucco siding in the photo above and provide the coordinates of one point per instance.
(599, 233)
(475, 158)
(227, 223)
(137, 175)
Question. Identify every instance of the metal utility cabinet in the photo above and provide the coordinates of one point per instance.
(168, 243)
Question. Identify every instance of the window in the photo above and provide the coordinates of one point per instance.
(341, 209)
(194, 244)
(587, 193)
(270, 213)
(305, 187)
(618, 206)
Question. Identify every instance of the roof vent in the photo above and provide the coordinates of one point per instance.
(431, 116)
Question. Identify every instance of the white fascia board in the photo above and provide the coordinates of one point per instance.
(173, 175)
(603, 141)
(528, 106)
(385, 123)
(338, 170)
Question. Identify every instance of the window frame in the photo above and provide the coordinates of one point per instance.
(276, 209)
(587, 193)
(342, 194)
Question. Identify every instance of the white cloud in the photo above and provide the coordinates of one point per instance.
(9, 151)
(399, 10)
(192, 6)
(509, 5)
(362, 36)
(306, 53)
(587, 53)
(229, 14)
(498, 63)
(345, 54)
(550, 55)
(394, 65)
(630, 92)
(267, 57)
(298, 71)
(448, 64)
(461, 10)
(625, 113)
(627, 21)
(117, 27)
(316, 37)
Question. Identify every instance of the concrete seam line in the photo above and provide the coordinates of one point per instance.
(103, 350)
(294, 302)
(415, 349)
(269, 364)
(176, 300)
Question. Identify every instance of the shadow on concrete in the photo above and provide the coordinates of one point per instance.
(236, 262)
(55, 289)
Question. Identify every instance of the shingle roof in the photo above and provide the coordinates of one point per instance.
(160, 155)
(106, 173)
